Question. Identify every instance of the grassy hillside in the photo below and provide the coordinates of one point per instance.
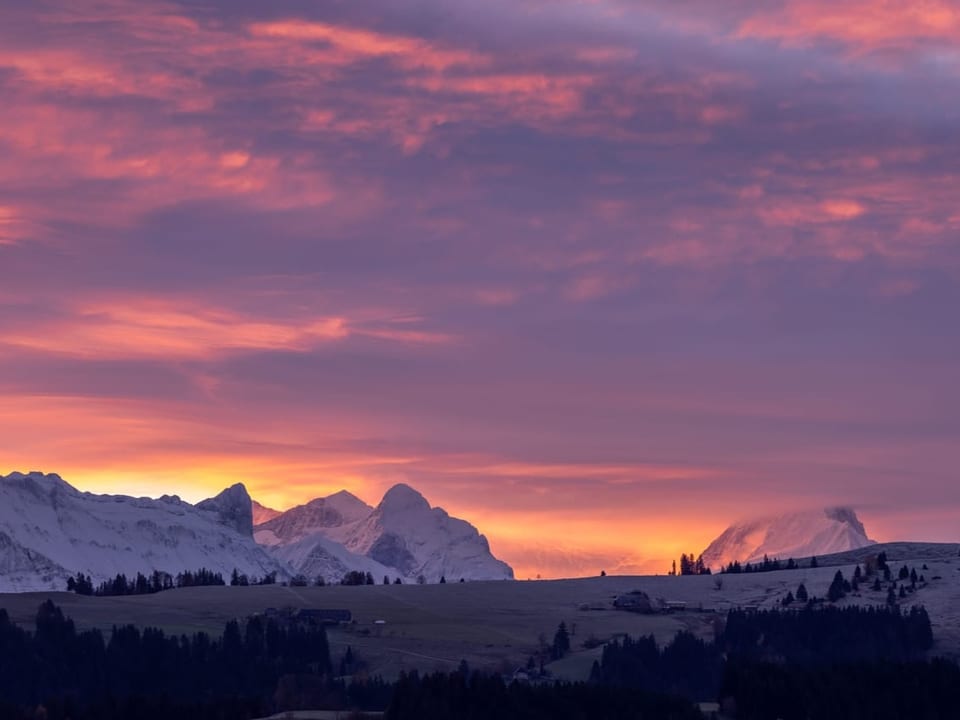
(498, 625)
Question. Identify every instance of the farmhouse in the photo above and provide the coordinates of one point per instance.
(636, 601)
(308, 616)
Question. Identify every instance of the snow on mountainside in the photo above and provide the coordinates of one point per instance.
(332, 516)
(796, 535)
(402, 536)
(316, 556)
(49, 531)
(262, 513)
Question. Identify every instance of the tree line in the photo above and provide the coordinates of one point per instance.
(155, 582)
(823, 662)
(135, 673)
(797, 665)
(767, 564)
(480, 697)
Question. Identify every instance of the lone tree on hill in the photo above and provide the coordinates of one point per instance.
(802, 595)
(561, 642)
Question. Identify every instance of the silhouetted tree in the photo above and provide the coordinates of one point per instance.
(561, 642)
(836, 591)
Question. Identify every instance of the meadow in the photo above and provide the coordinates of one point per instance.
(497, 626)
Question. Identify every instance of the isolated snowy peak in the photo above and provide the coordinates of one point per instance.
(796, 535)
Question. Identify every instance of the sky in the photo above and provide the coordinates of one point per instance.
(599, 276)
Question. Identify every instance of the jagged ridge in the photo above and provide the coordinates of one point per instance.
(49, 531)
(402, 536)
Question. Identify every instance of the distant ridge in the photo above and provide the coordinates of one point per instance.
(796, 535)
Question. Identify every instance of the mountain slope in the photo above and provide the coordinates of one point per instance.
(49, 531)
(796, 535)
(405, 533)
(403, 536)
(262, 513)
(331, 516)
(318, 557)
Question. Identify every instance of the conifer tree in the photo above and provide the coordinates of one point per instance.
(836, 591)
(561, 642)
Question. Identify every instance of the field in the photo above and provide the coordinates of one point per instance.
(498, 625)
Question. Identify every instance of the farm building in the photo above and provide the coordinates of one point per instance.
(308, 616)
(636, 601)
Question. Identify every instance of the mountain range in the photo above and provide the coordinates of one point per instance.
(789, 535)
(49, 531)
(403, 536)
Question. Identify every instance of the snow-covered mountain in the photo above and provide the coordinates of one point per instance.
(402, 536)
(49, 531)
(791, 535)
